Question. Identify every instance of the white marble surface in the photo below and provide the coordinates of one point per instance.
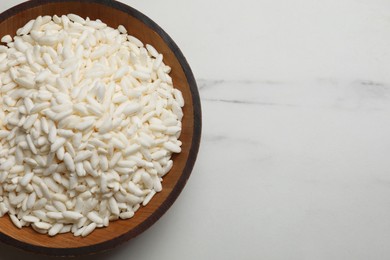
(294, 161)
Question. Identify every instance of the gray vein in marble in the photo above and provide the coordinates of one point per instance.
(259, 151)
(214, 138)
(219, 138)
(321, 93)
(204, 84)
(245, 102)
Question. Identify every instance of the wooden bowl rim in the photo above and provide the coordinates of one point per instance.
(197, 114)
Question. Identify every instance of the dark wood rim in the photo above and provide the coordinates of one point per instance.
(192, 154)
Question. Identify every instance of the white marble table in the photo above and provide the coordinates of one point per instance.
(295, 156)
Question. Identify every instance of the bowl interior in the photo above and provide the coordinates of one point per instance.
(113, 14)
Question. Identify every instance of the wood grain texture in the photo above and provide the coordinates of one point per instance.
(114, 13)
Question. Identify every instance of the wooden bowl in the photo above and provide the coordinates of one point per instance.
(114, 13)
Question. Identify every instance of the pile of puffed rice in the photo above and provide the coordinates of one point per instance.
(89, 120)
